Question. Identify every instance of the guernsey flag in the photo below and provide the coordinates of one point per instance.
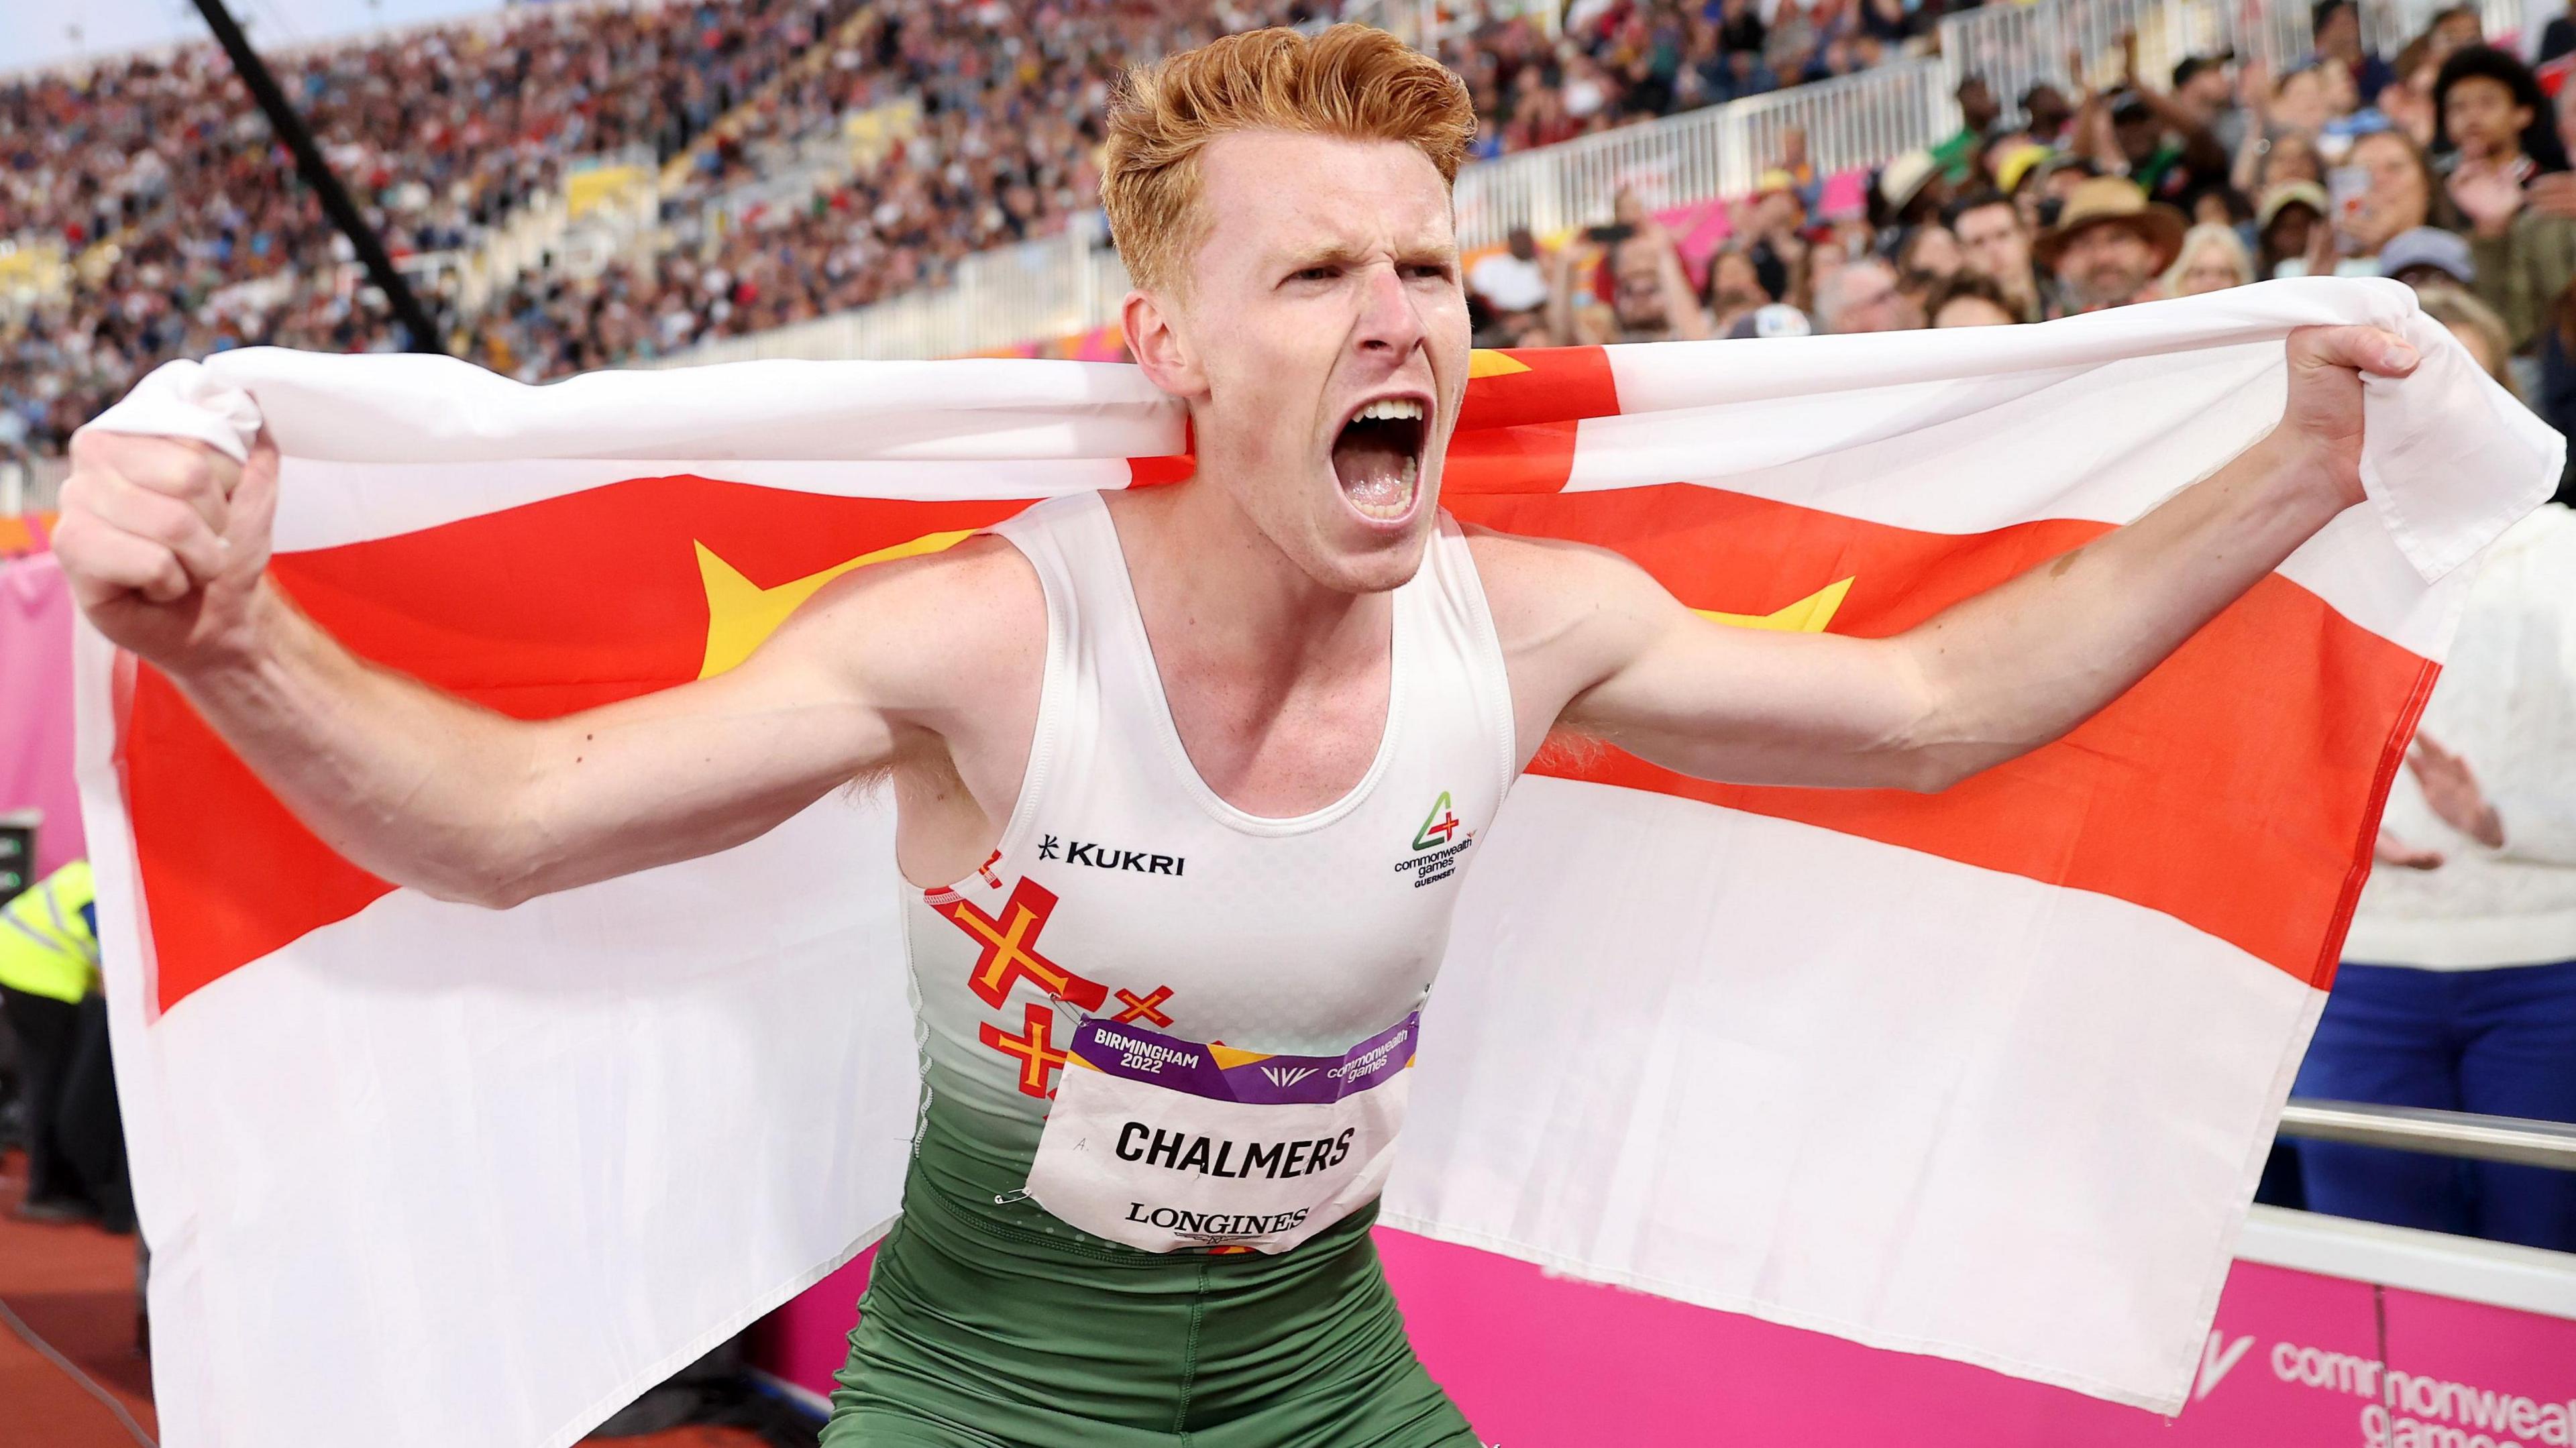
(1988, 1074)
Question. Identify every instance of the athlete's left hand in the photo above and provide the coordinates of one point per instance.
(2321, 423)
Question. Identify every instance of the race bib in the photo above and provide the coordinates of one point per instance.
(1163, 1144)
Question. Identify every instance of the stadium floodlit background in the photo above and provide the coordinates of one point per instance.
(601, 183)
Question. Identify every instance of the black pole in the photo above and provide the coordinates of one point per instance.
(317, 174)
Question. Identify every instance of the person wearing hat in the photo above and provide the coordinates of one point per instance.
(2109, 244)
(2283, 222)
(1911, 188)
(2428, 256)
(2017, 164)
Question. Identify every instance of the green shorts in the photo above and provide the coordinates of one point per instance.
(975, 1333)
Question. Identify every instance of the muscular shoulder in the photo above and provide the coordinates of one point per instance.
(1557, 595)
(1567, 615)
(933, 637)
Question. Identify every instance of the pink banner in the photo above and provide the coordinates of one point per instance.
(1540, 1361)
(36, 726)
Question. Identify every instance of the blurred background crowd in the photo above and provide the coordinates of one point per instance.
(185, 231)
(189, 234)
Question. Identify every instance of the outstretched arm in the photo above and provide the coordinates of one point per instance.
(1988, 679)
(166, 543)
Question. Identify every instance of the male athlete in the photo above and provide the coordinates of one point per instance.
(1152, 753)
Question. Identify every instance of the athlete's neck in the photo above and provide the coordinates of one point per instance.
(1277, 685)
(1207, 579)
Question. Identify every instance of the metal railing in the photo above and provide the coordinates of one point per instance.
(2015, 47)
(1857, 121)
(1038, 289)
(1062, 285)
(2442, 1133)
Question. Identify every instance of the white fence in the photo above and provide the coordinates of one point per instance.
(1063, 285)
(1039, 289)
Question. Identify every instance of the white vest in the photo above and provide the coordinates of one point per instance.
(1125, 889)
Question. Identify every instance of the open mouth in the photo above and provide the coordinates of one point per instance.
(1377, 457)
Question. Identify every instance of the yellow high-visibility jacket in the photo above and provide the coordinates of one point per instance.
(46, 945)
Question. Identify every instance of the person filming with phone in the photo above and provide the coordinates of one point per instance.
(1649, 294)
(2385, 187)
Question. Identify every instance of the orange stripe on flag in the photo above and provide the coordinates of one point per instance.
(2234, 788)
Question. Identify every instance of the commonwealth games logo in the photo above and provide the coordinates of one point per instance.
(1437, 826)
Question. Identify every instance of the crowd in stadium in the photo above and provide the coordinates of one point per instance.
(2442, 162)
(158, 172)
(2445, 166)
(440, 133)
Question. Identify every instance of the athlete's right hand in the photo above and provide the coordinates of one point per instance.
(164, 542)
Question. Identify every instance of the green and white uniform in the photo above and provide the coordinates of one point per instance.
(1195, 1025)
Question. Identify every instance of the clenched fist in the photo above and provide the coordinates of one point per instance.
(164, 543)
(2322, 416)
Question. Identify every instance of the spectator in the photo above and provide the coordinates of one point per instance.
(1978, 113)
(1735, 290)
(1799, 170)
(2558, 37)
(2474, 323)
(1863, 296)
(2489, 112)
(2554, 390)
(2458, 991)
(2206, 98)
(2408, 104)
(1971, 300)
(2429, 256)
(1930, 251)
(1910, 189)
(1770, 230)
(2292, 158)
(2109, 245)
(1650, 295)
(2336, 24)
(2168, 157)
(2399, 196)
(2452, 29)
(1511, 281)
(1775, 320)
(2046, 114)
(2211, 259)
(2522, 233)
(1995, 244)
(2284, 225)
